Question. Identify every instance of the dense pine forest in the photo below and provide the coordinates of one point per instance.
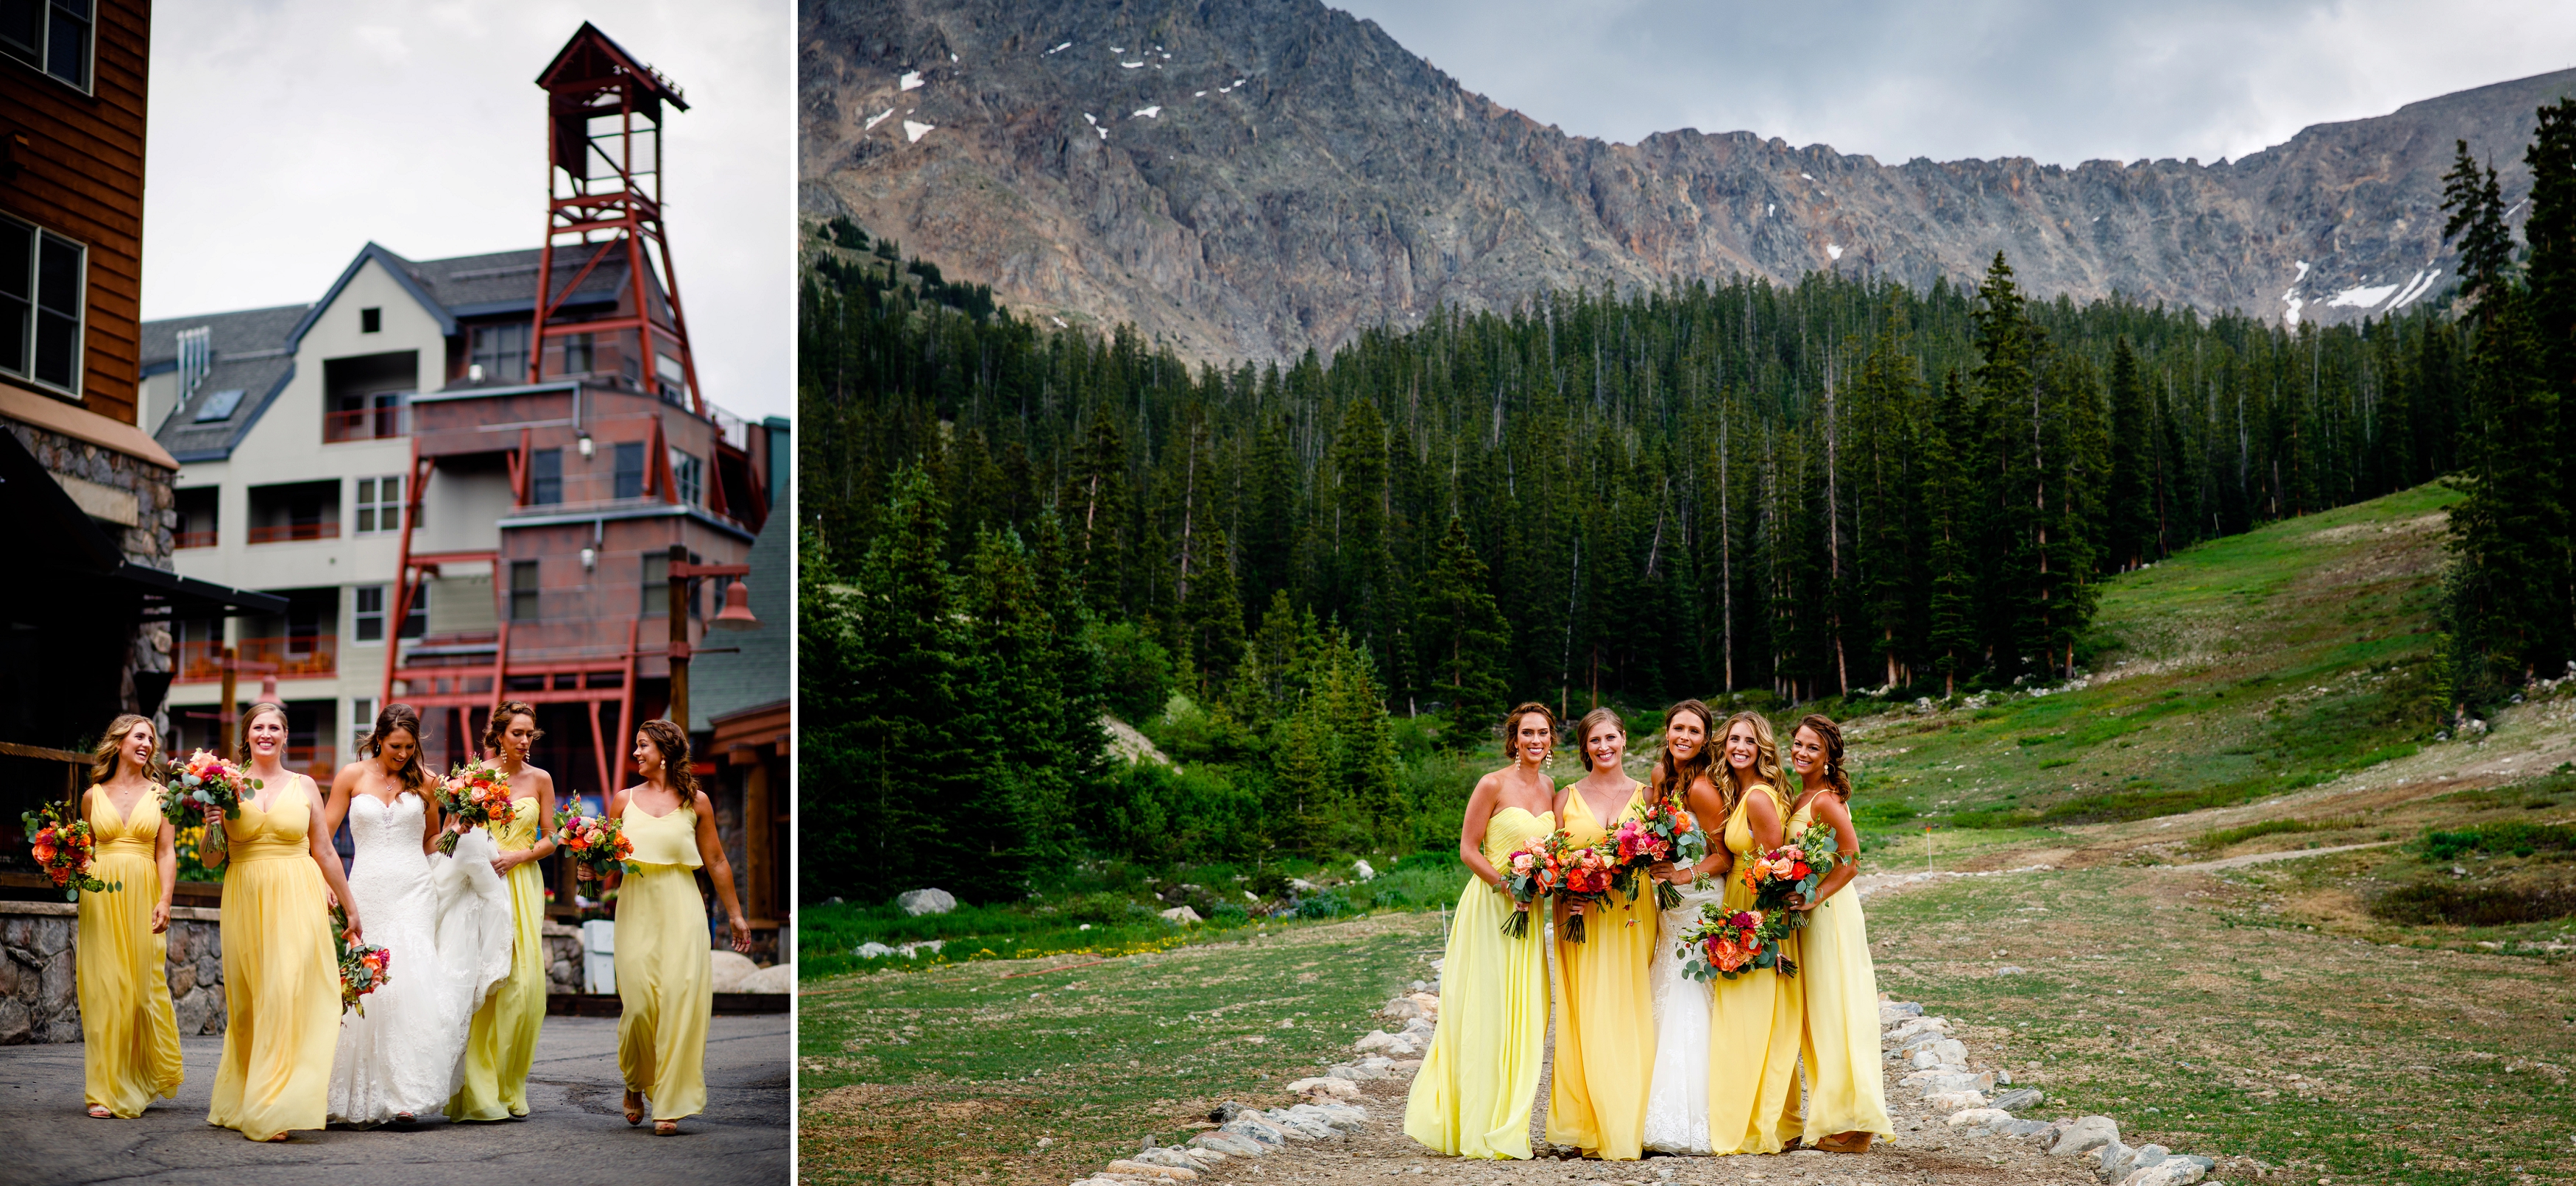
(1304, 577)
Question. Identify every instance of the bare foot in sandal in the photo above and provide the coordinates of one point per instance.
(634, 1107)
(664, 1128)
(100, 1111)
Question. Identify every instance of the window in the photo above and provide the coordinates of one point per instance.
(576, 354)
(219, 405)
(371, 321)
(630, 471)
(362, 720)
(50, 35)
(523, 590)
(501, 351)
(379, 505)
(367, 614)
(41, 277)
(416, 618)
(545, 476)
(674, 380)
(657, 584)
(688, 477)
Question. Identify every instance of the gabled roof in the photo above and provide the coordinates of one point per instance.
(590, 54)
(506, 281)
(250, 356)
(399, 268)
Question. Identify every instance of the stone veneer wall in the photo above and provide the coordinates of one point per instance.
(98, 477)
(38, 1001)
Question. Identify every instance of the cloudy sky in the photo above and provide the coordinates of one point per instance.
(285, 134)
(2062, 81)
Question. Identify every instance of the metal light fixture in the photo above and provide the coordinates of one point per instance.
(589, 556)
(587, 448)
(736, 614)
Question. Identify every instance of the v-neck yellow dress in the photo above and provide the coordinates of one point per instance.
(1473, 1094)
(1846, 1087)
(1605, 1020)
(281, 974)
(501, 1042)
(1755, 1024)
(665, 972)
(129, 1036)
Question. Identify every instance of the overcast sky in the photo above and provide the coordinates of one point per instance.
(2061, 81)
(285, 134)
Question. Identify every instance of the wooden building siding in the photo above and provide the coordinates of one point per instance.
(81, 176)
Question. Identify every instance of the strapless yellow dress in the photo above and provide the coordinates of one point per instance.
(1473, 1094)
(281, 975)
(1605, 1020)
(1846, 1087)
(1754, 1026)
(665, 976)
(129, 1036)
(501, 1042)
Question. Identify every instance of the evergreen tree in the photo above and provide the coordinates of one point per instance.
(2131, 538)
(1464, 636)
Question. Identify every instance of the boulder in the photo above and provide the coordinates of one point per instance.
(2172, 1171)
(2016, 1100)
(1377, 1040)
(1255, 1126)
(1182, 916)
(1175, 1158)
(2085, 1135)
(1979, 1116)
(729, 970)
(1363, 870)
(775, 978)
(1951, 1101)
(1326, 1086)
(1147, 1169)
(2116, 1161)
(1403, 1009)
(2024, 1129)
(1229, 1143)
(1363, 1071)
(1943, 1080)
(1337, 1118)
(926, 901)
(871, 950)
(1947, 1052)
(1892, 1012)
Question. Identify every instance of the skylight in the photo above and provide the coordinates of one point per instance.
(219, 406)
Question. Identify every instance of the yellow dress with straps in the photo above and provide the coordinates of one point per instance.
(281, 974)
(1605, 1018)
(501, 1042)
(1755, 1024)
(1473, 1094)
(1846, 1087)
(129, 1036)
(665, 974)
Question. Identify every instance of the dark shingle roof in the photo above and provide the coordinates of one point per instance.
(506, 281)
(234, 333)
(724, 684)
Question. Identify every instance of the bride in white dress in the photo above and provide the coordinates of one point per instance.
(446, 921)
(1677, 1096)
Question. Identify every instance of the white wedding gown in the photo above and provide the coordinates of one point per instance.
(446, 921)
(1677, 1096)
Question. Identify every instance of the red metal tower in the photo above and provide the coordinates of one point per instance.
(604, 176)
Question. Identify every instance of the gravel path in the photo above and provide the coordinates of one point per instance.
(2288, 854)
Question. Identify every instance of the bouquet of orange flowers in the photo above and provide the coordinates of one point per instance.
(1729, 943)
(1661, 832)
(475, 793)
(204, 781)
(1788, 872)
(1529, 874)
(63, 848)
(364, 967)
(1586, 872)
(596, 843)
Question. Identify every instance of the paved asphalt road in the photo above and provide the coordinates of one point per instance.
(574, 1134)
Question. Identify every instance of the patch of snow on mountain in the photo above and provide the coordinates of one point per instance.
(2303, 273)
(910, 80)
(1834, 249)
(1808, 176)
(914, 130)
(1770, 208)
(1059, 49)
(876, 119)
(2363, 298)
(1198, 94)
(2421, 284)
(1147, 112)
(1131, 65)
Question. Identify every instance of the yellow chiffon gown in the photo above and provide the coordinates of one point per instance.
(501, 1042)
(1472, 1096)
(1755, 1024)
(281, 975)
(665, 975)
(129, 1037)
(1846, 1088)
(1605, 1021)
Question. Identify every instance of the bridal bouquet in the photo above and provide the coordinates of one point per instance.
(475, 793)
(1586, 871)
(63, 848)
(1529, 874)
(597, 843)
(1662, 832)
(1727, 943)
(364, 967)
(1790, 871)
(203, 782)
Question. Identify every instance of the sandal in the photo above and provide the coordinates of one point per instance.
(666, 1128)
(100, 1111)
(634, 1107)
(1846, 1142)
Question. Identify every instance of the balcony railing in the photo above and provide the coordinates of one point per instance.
(317, 761)
(279, 533)
(364, 424)
(192, 539)
(296, 658)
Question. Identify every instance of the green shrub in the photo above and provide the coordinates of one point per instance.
(2472, 904)
(2515, 836)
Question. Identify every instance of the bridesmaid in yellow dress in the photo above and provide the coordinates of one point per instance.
(1846, 1089)
(1755, 1020)
(1605, 1021)
(130, 1039)
(664, 976)
(281, 975)
(502, 1042)
(1473, 1094)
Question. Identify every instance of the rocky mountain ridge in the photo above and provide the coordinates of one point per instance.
(1250, 180)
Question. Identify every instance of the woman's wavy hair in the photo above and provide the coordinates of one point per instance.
(674, 745)
(1766, 759)
(109, 753)
(1836, 778)
(401, 716)
(1583, 732)
(1678, 775)
(499, 726)
(1512, 725)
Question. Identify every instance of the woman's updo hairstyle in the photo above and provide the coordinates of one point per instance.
(508, 711)
(406, 718)
(1512, 726)
(674, 745)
